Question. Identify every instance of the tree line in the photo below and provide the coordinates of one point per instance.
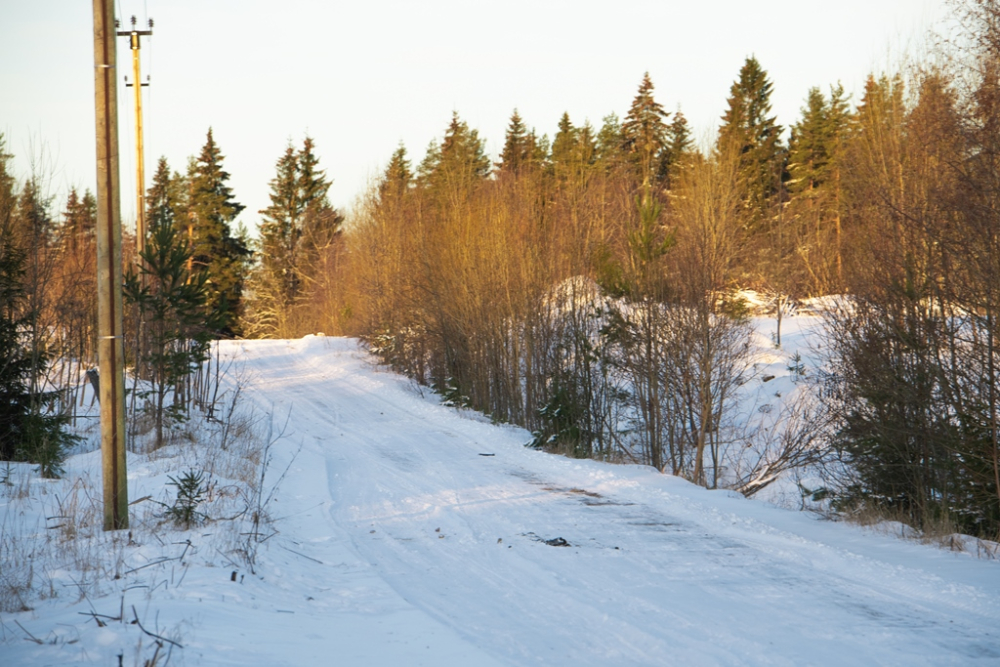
(587, 287)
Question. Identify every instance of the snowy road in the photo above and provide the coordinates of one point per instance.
(515, 557)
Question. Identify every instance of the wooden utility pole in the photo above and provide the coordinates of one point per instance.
(110, 348)
(140, 159)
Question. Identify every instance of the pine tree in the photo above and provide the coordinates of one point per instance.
(645, 134)
(750, 130)
(217, 249)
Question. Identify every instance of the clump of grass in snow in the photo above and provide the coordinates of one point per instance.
(52, 542)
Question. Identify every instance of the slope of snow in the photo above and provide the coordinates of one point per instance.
(413, 534)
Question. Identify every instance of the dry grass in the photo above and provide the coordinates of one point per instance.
(52, 542)
(18, 579)
(941, 531)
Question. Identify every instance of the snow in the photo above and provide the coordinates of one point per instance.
(410, 533)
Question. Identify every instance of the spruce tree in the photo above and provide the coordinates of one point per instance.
(296, 229)
(815, 157)
(645, 134)
(172, 305)
(574, 150)
(28, 429)
(320, 221)
(8, 194)
(34, 233)
(519, 148)
(321, 226)
(77, 275)
(564, 147)
(397, 177)
(749, 129)
(882, 106)
(79, 220)
(33, 223)
(216, 249)
(281, 228)
(679, 145)
(462, 151)
(15, 363)
(816, 142)
(586, 146)
(458, 161)
(609, 154)
(809, 146)
(167, 197)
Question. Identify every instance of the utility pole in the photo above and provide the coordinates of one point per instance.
(140, 181)
(111, 348)
(140, 160)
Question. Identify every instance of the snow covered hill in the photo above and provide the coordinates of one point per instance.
(413, 534)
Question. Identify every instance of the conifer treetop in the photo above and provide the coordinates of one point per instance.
(644, 132)
(397, 176)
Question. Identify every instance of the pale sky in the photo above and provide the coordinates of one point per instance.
(360, 77)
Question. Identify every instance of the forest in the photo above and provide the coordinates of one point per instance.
(590, 287)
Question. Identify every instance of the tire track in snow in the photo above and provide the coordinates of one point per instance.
(689, 583)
